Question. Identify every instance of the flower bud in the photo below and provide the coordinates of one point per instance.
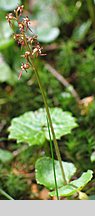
(25, 66)
(20, 9)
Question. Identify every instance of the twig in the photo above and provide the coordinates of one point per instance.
(19, 151)
(51, 47)
(64, 82)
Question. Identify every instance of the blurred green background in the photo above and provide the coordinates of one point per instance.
(66, 31)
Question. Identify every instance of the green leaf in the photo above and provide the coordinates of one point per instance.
(63, 123)
(31, 127)
(74, 186)
(5, 156)
(6, 74)
(5, 33)
(92, 157)
(47, 35)
(45, 174)
(80, 32)
(45, 13)
(9, 5)
(27, 128)
(47, 20)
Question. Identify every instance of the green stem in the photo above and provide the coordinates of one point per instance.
(50, 122)
(6, 195)
(53, 163)
(91, 10)
(47, 111)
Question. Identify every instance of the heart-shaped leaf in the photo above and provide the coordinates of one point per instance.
(31, 127)
(5, 33)
(81, 31)
(6, 74)
(47, 20)
(92, 157)
(9, 5)
(74, 186)
(47, 35)
(45, 173)
(5, 156)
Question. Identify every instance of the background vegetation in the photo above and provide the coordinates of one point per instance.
(66, 30)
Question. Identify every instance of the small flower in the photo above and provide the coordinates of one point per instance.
(16, 36)
(21, 26)
(19, 38)
(35, 51)
(29, 39)
(26, 22)
(32, 39)
(20, 9)
(33, 48)
(38, 51)
(26, 55)
(25, 66)
(9, 18)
